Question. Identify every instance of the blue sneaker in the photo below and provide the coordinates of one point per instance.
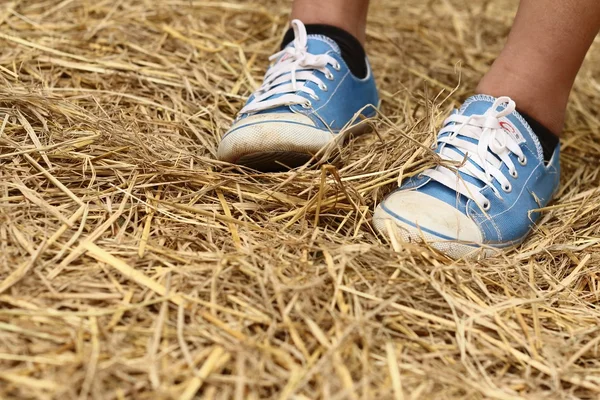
(484, 195)
(308, 97)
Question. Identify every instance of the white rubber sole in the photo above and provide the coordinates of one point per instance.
(286, 142)
(387, 225)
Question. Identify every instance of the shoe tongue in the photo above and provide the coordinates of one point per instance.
(316, 44)
(514, 123)
(320, 44)
(476, 105)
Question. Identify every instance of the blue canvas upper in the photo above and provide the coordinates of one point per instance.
(345, 96)
(511, 216)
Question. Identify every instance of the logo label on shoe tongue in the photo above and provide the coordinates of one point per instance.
(512, 131)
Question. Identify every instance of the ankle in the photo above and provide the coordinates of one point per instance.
(351, 17)
(545, 102)
(356, 32)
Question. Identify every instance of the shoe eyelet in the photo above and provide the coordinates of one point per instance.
(323, 87)
(514, 174)
(507, 188)
(329, 76)
(337, 66)
(314, 97)
(487, 205)
(523, 161)
(307, 104)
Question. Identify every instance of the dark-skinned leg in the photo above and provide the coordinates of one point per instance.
(544, 52)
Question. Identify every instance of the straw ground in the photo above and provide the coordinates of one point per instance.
(134, 265)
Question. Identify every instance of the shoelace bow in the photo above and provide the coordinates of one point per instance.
(483, 159)
(290, 75)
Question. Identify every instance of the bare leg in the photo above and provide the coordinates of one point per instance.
(350, 15)
(543, 54)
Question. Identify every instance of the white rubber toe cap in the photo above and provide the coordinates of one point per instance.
(418, 217)
(272, 133)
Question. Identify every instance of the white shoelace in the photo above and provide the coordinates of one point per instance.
(290, 75)
(482, 160)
